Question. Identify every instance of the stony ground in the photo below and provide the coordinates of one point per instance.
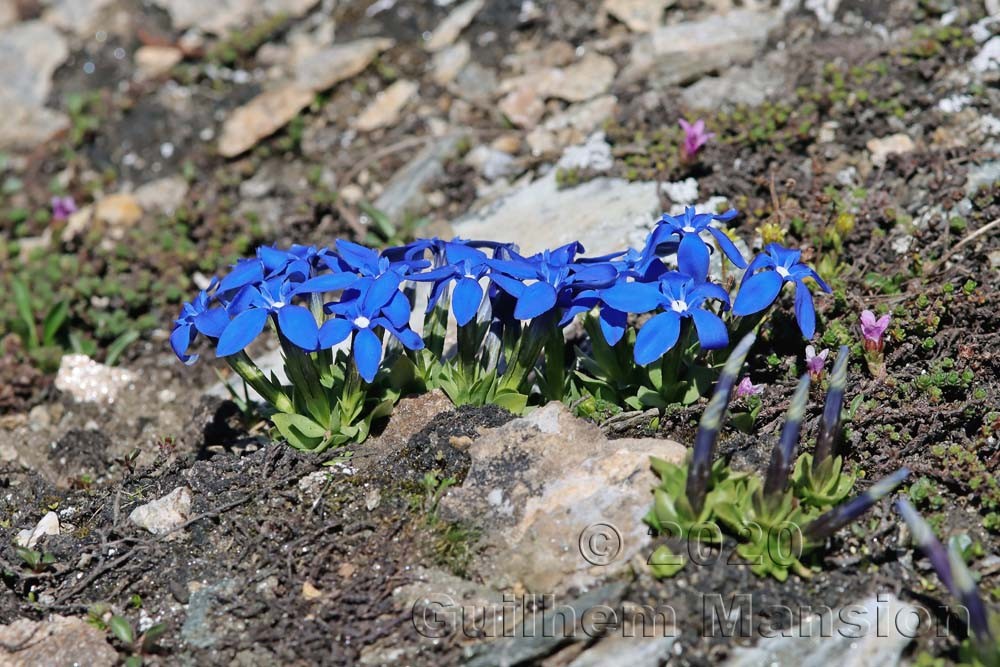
(187, 132)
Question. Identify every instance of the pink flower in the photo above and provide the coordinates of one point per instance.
(695, 137)
(747, 388)
(63, 207)
(873, 329)
(815, 362)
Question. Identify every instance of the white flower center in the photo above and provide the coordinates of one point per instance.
(782, 271)
(278, 304)
(688, 230)
(362, 322)
(679, 306)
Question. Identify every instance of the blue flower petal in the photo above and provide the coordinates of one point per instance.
(410, 339)
(632, 297)
(595, 276)
(211, 322)
(466, 300)
(510, 285)
(298, 325)
(367, 353)
(379, 293)
(361, 258)
(612, 324)
(272, 258)
(398, 310)
(712, 334)
(537, 298)
(241, 331)
(245, 272)
(805, 313)
(180, 340)
(333, 332)
(657, 336)
(728, 247)
(692, 257)
(757, 293)
(458, 252)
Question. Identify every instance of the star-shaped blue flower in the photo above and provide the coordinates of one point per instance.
(766, 275)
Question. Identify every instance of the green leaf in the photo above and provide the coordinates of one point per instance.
(122, 629)
(512, 401)
(300, 431)
(118, 346)
(54, 321)
(133, 661)
(22, 301)
(664, 563)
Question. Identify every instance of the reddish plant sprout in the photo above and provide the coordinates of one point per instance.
(63, 207)
(816, 362)
(695, 137)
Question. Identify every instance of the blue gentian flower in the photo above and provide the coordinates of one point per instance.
(197, 317)
(680, 296)
(367, 306)
(692, 249)
(254, 303)
(766, 275)
(465, 266)
(541, 282)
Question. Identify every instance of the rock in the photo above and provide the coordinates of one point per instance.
(154, 61)
(310, 592)
(825, 10)
(56, 641)
(325, 68)
(605, 214)
(593, 155)
(548, 487)
(572, 125)
(8, 13)
(638, 15)
(739, 85)
(682, 192)
(80, 17)
(631, 651)
(446, 64)
(871, 633)
(165, 514)
(90, 382)
(220, 17)
(459, 18)
(261, 117)
(409, 417)
(588, 77)
(523, 107)
(681, 52)
(988, 57)
(490, 162)
(885, 146)
(47, 525)
(981, 175)
(29, 53)
(164, 195)
(475, 83)
(384, 110)
(404, 193)
(119, 210)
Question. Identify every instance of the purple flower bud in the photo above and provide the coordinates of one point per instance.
(711, 423)
(873, 329)
(815, 362)
(695, 137)
(747, 388)
(784, 451)
(829, 425)
(965, 591)
(832, 521)
(63, 207)
(924, 537)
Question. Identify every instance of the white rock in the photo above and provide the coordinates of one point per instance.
(261, 117)
(954, 103)
(56, 640)
(449, 30)
(638, 15)
(223, 15)
(593, 155)
(446, 64)
(80, 17)
(47, 525)
(385, 109)
(603, 214)
(572, 125)
(988, 57)
(8, 13)
(825, 10)
(325, 68)
(682, 192)
(163, 195)
(490, 162)
(882, 147)
(90, 382)
(164, 515)
(29, 54)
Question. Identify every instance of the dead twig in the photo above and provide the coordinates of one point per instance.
(936, 266)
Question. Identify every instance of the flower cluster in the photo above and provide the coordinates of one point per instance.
(349, 300)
